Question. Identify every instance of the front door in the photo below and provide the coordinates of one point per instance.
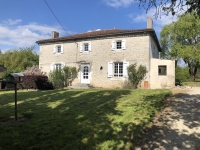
(85, 74)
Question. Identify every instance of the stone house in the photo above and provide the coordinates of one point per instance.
(102, 57)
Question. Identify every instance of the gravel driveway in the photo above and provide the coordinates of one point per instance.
(177, 127)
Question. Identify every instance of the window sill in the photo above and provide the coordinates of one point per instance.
(118, 50)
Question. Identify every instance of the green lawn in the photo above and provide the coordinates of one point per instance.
(191, 84)
(77, 119)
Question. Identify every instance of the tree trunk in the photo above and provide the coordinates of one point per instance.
(192, 71)
(192, 78)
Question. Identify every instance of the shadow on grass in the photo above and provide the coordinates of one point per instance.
(62, 119)
(177, 127)
(69, 119)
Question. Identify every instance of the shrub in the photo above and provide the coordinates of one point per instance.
(136, 75)
(70, 73)
(35, 82)
(56, 77)
(63, 77)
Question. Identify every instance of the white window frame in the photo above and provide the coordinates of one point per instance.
(118, 69)
(114, 45)
(58, 49)
(85, 47)
(111, 70)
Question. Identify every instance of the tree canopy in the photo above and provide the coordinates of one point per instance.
(17, 60)
(171, 6)
(181, 39)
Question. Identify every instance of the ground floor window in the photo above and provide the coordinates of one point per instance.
(118, 69)
(162, 70)
(58, 66)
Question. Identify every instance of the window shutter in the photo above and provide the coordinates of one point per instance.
(123, 44)
(81, 48)
(125, 71)
(89, 47)
(51, 67)
(62, 65)
(61, 49)
(113, 45)
(110, 69)
(54, 50)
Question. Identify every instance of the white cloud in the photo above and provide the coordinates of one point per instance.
(158, 22)
(12, 22)
(14, 34)
(119, 3)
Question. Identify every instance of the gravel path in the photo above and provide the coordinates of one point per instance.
(177, 127)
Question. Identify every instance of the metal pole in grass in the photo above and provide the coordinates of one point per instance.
(19, 76)
(15, 101)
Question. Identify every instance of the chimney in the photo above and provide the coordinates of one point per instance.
(54, 34)
(149, 23)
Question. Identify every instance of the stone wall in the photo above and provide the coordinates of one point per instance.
(137, 51)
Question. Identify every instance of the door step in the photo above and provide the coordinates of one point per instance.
(81, 86)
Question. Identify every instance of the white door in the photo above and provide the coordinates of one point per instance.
(85, 74)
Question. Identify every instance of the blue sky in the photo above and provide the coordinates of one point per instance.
(22, 22)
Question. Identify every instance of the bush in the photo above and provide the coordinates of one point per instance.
(57, 78)
(35, 82)
(136, 75)
(70, 73)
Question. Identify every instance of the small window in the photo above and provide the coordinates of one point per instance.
(119, 44)
(59, 49)
(58, 66)
(162, 70)
(86, 47)
(118, 69)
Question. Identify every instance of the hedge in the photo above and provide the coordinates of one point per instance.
(35, 82)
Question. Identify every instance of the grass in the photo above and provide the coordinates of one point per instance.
(77, 119)
(191, 83)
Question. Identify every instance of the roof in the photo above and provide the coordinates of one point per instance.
(16, 74)
(102, 33)
(2, 69)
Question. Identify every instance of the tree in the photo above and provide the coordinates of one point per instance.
(171, 6)
(180, 40)
(17, 60)
(182, 74)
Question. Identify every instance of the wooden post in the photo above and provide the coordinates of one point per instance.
(15, 101)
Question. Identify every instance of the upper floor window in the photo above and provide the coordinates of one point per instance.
(85, 47)
(119, 44)
(58, 49)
